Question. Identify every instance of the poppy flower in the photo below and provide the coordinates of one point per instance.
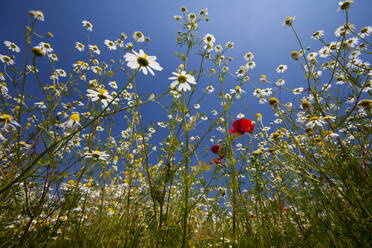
(218, 149)
(241, 127)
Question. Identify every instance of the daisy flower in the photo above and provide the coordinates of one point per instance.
(8, 120)
(110, 45)
(248, 56)
(281, 68)
(88, 25)
(297, 91)
(12, 46)
(97, 155)
(289, 20)
(366, 31)
(6, 59)
(141, 60)
(46, 47)
(79, 46)
(138, 36)
(317, 35)
(73, 120)
(100, 94)
(209, 39)
(315, 121)
(182, 80)
(37, 14)
(95, 49)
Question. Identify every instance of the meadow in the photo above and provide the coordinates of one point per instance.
(80, 168)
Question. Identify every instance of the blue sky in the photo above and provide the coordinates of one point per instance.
(253, 25)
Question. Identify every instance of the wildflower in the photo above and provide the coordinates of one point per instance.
(365, 104)
(240, 115)
(345, 5)
(8, 120)
(248, 56)
(366, 31)
(94, 49)
(317, 35)
(295, 55)
(297, 91)
(142, 61)
(242, 126)
(79, 46)
(97, 155)
(209, 39)
(289, 20)
(88, 25)
(259, 116)
(72, 121)
(6, 59)
(281, 68)
(210, 89)
(53, 57)
(263, 78)
(101, 94)
(177, 17)
(250, 65)
(273, 101)
(315, 121)
(280, 82)
(229, 44)
(12, 46)
(110, 45)
(219, 150)
(182, 79)
(241, 71)
(138, 36)
(37, 14)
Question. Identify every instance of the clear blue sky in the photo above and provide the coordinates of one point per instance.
(253, 25)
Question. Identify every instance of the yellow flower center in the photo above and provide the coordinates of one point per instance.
(6, 117)
(75, 117)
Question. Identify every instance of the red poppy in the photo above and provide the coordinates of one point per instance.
(218, 149)
(242, 126)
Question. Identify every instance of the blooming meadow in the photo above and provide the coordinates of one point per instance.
(71, 176)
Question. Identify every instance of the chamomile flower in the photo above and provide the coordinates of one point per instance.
(142, 61)
(315, 121)
(210, 89)
(182, 80)
(12, 46)
(297, 91)
(138, 36)
(8, 120)
(250, 65)
(288, 21)
(88, 25)
(94, 49)
(7, 60)
(46, 47)
(79, 46)
(248, 56)
(97, 155)
(110, 45)
(37, 14)
(100, 94)
(317, 35)
(113, 84)
(73, 121)
(209, 39)
(366, 31)
(281, 68)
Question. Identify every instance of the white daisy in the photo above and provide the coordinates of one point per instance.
(182, 80)
(8, 120)
(79, 46)
(138, 36)
(94, 49)
(209, 39)
(100, 94)
(317, 35)
(315, 121)
(110, 45)
(12, 46)
(6, 59)
(97, 155)
(37, 14)
(88, 25)
(281, 68)
(73, 120)
(141, 60)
